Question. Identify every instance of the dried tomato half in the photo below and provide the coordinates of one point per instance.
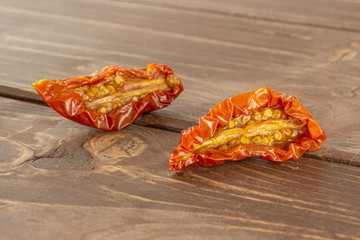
(114, 98)
(262, 123)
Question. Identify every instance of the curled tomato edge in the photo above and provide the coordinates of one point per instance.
(246, 103)
(70, 105)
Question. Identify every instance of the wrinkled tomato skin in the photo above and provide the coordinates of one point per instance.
(59, 96)
(246, 103)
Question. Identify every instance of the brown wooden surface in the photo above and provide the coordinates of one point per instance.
(60, 180)
(226, 54)
(100, 185)
(332, 14)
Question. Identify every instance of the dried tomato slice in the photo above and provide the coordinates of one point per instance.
(114, 98)
(262, 123)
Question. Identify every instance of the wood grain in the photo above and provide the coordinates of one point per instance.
(225, 54)
(331, 14)
(29, 132)
(116, 185)
(61, 180)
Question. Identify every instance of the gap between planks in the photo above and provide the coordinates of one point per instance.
(177, 124)
(153, 120)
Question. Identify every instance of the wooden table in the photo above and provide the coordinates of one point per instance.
(61, 180)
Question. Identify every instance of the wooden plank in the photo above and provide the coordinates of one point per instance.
(101, 185)
(331, 14)
(240, 44)
(30, 131)
(225, 55)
